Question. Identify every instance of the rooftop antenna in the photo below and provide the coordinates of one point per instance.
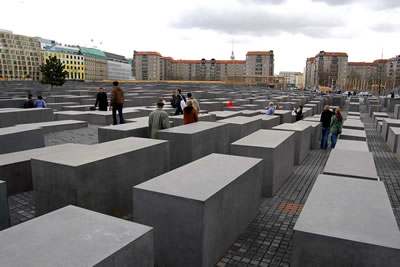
(233, 53)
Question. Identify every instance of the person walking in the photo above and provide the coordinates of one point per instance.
(189, 113)
(101, 99)
(336, 126)
(158, 120)
(271, 109)
(117, 103)
(173, 99)
(195, 103)
(230, 104)
(40, 103)
(29, 102)
(299, 113)
(326, 117)
(180, 102)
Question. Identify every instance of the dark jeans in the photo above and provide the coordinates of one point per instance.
(325, 137)
(178, 111)
(333, 139)
(114, 114)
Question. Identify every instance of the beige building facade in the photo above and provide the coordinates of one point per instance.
(20, 56)
(152, 66)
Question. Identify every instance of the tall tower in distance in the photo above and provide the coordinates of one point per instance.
(233, 53)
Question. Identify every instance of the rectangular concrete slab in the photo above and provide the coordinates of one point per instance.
(195, 140)
(241, 126)
(353, 124)
(352, 145)
(19, 138)
(393, 138)
(4, 211)
(268, 121)
(276, 148)
(303, 137)
(72, 236)
(349, 163)
(386, 124)
(346, 222)
(284, 115)
(351, 134)
(195, 210)
(15, 168)
(98, 178)
(316, 132)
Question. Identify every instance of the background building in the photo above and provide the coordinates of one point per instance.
(292, 78)
(71, 57)
(260, 63)
(95, 64)
(19, 56)
(152, 66)
(118, 67)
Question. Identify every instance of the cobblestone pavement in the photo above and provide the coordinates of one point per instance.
(86, 136)
(267, 240)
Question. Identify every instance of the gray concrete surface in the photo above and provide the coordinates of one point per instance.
(4, 210)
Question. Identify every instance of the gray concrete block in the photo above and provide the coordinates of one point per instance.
(346, 222)
(12, 103)
(352, 145)
(105, 117)
(71, 115)
(235, 108)
(353, 113)
(386, 124)
(221, 115)
(195, 140)
(15, 168)
(376, 115)
(396, 113)
(21, 137)
(178, 119)
(355, 164)
(353, 124)
(212, 106)
(354, 99)
(120, 131)
(98, 178)
(241, 126)
(392, 102)
(355, 107)
(250, 113)
(303, 137)
(351, 134)
(57, 126)
(268, 121)
(252, 106)
(4, 212)
(393, 138)
(372, 109)
(378, 119)
(284, 115)
(195, 210)
(315, 136)
(276, 148)
(379, 127)
(21, 116)
(72, 236)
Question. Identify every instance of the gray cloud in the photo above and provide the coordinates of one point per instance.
(273, 2)
(257, 22)
(380, 4)
(386, 27)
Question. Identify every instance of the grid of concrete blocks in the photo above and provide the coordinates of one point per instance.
(69, 179)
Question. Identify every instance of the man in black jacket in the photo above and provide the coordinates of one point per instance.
(101, 99)
(326, 117)
(179, 104)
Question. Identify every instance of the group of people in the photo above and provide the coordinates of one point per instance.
(332, 123)
(188, 107)
(116, 102)
(271, 110)
(38, 103)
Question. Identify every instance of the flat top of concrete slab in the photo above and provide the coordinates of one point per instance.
(353, 113)
(313, 119)
(267, 117)
(292, 127)
(350, 209)
(17, 129)
(353, 145)
(193, 127)
(352, 164)
(391, 121)
(353, 123)
(249, 112)
(396, 130)
(239, 120)
(30, 110)
(380, 114)
(54, 123)
(26, 155)
(312, 123)
(130, 125)
(282, 112)
(70, 236)
(226, 113)
(72, 112)
(202, 178)
(87, 154)
(359, 133)
(264, 138)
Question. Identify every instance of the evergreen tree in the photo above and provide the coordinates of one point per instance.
(53, 72)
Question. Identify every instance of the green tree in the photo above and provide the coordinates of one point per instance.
(53, 72)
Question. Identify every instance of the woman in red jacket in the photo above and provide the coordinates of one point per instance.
(189, 113)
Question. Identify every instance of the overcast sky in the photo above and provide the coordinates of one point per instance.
(195, 29)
